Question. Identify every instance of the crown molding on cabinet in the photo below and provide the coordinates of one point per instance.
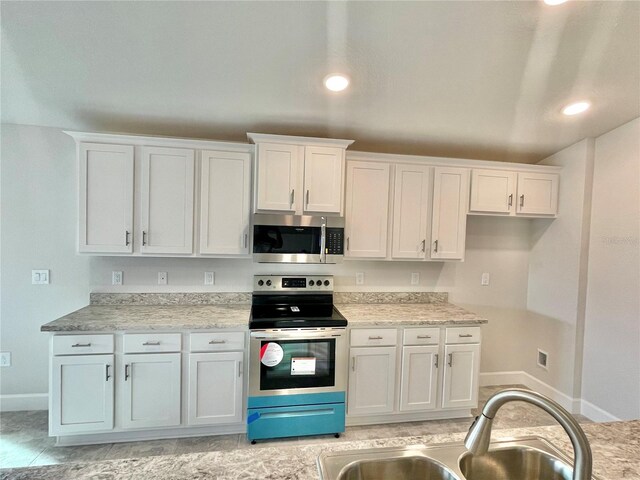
(307, 141)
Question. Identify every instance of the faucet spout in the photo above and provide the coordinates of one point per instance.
(479, 436)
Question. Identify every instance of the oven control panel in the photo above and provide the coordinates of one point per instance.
(293, 283)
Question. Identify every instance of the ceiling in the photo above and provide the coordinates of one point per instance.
(446, 78)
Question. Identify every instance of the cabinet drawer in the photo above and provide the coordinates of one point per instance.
(421, 336)
(152, 342)
(82, 344)
(463, 335)
(374, 336)
(216, 341)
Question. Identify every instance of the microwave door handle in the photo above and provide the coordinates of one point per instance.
(323, 241)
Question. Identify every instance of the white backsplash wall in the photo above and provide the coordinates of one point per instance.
(499, 246)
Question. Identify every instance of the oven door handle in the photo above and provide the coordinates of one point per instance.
(295, 336)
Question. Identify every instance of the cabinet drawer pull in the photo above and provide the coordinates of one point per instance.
(465, 335)
(293, 196)
(347, 244)
(126, 372)
(424, 336)
(240, 368)
(217, 342)
(107, 373)
(435, 250)
(436, 360)
(450, 362)
(307, 198)
(81, 345)
(375, 338)
(511, 199)
(126, 238)
(353, 364)
(144, 238)
(424, 245)
(246, 238)
(522, 200)
(151, 344)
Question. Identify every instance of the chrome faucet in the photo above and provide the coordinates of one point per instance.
(479, 436)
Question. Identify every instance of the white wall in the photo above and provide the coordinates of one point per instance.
(39, 198)
(611, 375)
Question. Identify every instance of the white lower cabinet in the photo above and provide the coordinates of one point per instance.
(81, 394)
(215, 388)
(372, 379)
(419, 385)
(150, 390)
(460, 382)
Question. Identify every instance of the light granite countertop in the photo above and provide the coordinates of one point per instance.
(391, 314)
(615, 446)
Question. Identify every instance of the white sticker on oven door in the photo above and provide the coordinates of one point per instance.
(271, 354)
(303, 366)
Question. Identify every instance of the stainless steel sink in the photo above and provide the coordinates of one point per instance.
(530, 458)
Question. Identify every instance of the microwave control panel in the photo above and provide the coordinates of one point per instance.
(335, 241)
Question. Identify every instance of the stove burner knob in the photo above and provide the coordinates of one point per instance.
(326, 283)
(311, 283)
(260, 282)
(268, 283)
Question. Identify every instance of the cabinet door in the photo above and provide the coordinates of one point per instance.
(537, 194)
(81, 394)
(278, 169)
(167, 200)
(224, 202)
(149, 386)
(215, 388)
(461, 369)
(449, 220)
(106, 198)
(323, 179)
(410, 204)
(372, 380)
(367, 209)
(419, 386)
(492, 191)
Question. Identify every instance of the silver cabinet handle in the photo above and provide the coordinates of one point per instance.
(347, 243)
(216, 342)
(292, 197)
(240, 368)
(126, 372)
(107, 373)
(436, 360)
(246, 240)
(424, 336)
(81, 345)
(151, 344)
(436, 246)
(307, 198)
(353, 364)
(511, 199)
(450, 362)
(375, 338)
(522, 200)
(126, 238)
(424, 244)
(144, 238)
(465, 335)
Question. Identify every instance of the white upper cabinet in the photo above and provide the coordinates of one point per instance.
(505, 192)
(410, 211)
(323, 179)
(277, 173)
(167, 200)
(106, 198)
(367, 209)
(225, 193)
(299, 175)
(449, 221)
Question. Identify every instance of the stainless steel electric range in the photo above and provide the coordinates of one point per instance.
(297, 358)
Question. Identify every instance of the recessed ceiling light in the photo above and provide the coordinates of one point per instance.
(336, 82)
(576, 108)
(553, 3)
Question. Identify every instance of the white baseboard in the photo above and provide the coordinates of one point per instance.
(597, 414)
(574, 405)
(29, 401)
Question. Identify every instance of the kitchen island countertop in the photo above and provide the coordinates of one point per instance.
(615, 447)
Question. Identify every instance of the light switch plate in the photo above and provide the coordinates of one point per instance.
(360, 278)
(40, 277)
(415, 278)
(116, 278)
(5, 359)
(209, 278)
(162, 278)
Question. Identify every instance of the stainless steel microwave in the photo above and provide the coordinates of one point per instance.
(297, 239)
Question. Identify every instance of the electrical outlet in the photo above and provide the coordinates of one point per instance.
(485, 279)
(5, 359)
(162, 278)
(360, 278)
(40, 277)
(209, 278)
(116, 278)
(415, 278)
(543, 359)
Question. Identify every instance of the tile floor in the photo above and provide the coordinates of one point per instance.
(24, 440)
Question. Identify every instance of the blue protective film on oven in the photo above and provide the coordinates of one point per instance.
(253, 417)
